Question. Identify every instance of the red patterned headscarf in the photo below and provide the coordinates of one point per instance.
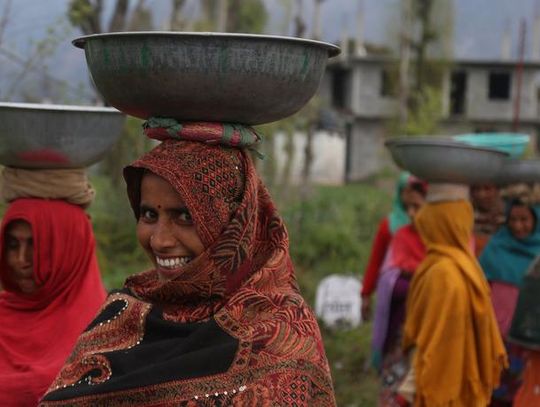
(242, 286)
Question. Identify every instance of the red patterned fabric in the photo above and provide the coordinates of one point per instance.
(38, 331)
(244, 281)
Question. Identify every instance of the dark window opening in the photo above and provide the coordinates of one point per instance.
(339, 88)
(499, 85)
(388, 84)
(458, 91)
(485, 129)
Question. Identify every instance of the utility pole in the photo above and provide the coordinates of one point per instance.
(519, 74)
(404, 59)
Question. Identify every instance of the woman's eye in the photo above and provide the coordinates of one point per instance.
(185, 216)
(12, 244)
(148, 215)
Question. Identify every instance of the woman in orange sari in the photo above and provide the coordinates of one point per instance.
(450, 330)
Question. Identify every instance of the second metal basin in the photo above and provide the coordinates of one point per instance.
(443, 160)
(56, 136)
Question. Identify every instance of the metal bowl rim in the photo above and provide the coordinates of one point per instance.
(55, 107)
(443, 143)
(520, 161)
(333, 50)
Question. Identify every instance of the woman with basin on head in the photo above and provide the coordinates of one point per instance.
(49, 272)
(450, 330)
(219, 320)
(489, 213)
(505, 261)
(404, 254)
(387, 228)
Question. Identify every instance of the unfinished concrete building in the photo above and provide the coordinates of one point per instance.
(477, 96)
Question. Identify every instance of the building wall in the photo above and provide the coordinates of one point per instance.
(366, 93)
(328, 166)
(366, 151)
(479, 106)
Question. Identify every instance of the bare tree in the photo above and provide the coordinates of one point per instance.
(4, 19)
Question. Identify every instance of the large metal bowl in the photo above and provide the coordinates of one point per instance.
(250, 79)
(443, 160)
(516, 171)
(56, 136)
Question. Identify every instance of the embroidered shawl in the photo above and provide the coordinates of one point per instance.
(232, 329)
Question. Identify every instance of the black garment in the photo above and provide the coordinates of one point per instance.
(200, 348)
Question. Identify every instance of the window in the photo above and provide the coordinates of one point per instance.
(388, 85)
(340, 81)
(458, 88)
(499, 85)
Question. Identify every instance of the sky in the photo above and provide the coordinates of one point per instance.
(478, 30)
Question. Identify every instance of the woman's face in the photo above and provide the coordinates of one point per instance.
(484, 196)
(521, 221)
(412, 202)
(165, 228)
(19, 254)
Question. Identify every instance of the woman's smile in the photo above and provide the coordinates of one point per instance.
(173, 263)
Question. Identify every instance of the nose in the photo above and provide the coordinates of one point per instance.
(24, 255)
(162, 237)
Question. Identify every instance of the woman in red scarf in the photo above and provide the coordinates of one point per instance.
(52, 290)
(219, 320)
(405, 254)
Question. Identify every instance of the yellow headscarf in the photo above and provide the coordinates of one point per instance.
(450, 320)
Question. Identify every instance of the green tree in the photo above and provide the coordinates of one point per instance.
(425, 52)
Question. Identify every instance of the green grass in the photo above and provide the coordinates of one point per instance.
(331, 233)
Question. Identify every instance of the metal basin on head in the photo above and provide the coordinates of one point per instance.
(517, 171)
(250, 79)
(443, 160)
(56, 136)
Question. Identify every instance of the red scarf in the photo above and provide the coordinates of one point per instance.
(243, 282)
(38, 331)
(408, 250)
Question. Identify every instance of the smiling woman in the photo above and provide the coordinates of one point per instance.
(165, 229)
(219, 320)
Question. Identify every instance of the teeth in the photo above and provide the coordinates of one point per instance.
(173, 262)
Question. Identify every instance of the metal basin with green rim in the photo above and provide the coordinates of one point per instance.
(250, 79)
